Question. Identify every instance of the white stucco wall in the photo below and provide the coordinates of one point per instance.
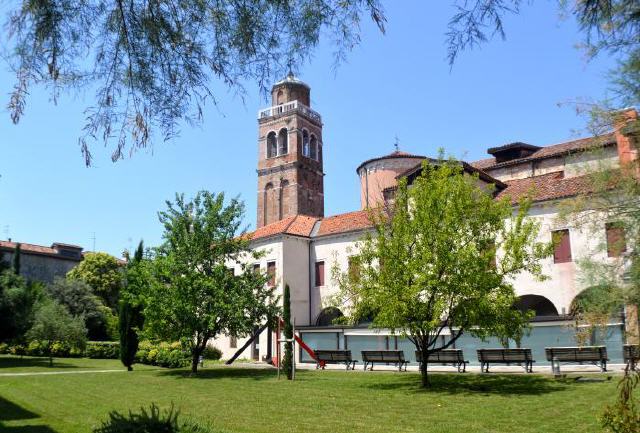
(333, 250)
(565, 280)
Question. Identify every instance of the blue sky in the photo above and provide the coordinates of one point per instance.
(396, 84)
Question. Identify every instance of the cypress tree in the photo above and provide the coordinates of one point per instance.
(130, 314)
(16, 260)
(287, 363)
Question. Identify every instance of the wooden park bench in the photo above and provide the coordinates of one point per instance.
(631, 355)
(324, 357)
(518, 356)
(596, 355)
(454, 357)
(395, 357)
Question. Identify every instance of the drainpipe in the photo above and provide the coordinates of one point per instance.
(310, 278)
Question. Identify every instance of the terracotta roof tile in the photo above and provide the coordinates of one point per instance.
(34, 249)
(344, 223)
(394, 154)
(546, 187)
(550, 151)
(297, 225)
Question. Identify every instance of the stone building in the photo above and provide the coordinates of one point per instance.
(40, 263)
(301, 245)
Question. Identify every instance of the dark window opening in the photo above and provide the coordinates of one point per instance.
(616, 242)
(271, 271)
(319, 273)
(561, 246)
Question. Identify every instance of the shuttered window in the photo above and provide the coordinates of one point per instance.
(616, 243)
(271, 271)
(562, 246)
(319, 273)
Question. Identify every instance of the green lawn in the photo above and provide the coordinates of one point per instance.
(252, 400)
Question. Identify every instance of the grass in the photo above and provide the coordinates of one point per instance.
(252, 400)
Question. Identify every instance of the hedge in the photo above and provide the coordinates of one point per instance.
(170, 355)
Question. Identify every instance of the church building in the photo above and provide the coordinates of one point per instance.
(301, 245)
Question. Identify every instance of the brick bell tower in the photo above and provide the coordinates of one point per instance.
(290, 176)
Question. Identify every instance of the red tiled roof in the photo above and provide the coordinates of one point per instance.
(345, 222)
(35, 249)
(297, 225)
(550, 151)
(394, 154)
(302, 225)
(546, 187)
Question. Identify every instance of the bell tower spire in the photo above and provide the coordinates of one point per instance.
(290, 176)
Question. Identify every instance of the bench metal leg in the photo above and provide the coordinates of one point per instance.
(603, 366)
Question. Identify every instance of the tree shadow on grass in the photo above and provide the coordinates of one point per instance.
(224, 373)
(476, 384)
(27, 429)
(10, 411)
(28, 361)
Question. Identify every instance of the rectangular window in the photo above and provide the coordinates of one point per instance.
(256, 268)
(616, 242)
(561, 246)
(319, 273)
(233, 342)
(271, 271)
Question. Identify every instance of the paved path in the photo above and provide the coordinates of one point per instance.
(43, 373)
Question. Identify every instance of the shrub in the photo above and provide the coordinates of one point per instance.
(149, 421)
(103, 349)
(35, 348)
(213, 353)
(18, 350)
(4, 348)
(60, 349)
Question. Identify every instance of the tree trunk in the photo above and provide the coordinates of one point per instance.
(50, 360)
(425, 365)
(424, 374)
(129, 368)
(194, 361)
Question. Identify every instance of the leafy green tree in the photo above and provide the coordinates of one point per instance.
(18, 299)
(16, 260)
(287, 363)
(103, 273)
(430, 264)
(130, 315)
(52, 322)
(155, 64)
(194, 295)
(4, 265)
(78, 298)
(624, 415)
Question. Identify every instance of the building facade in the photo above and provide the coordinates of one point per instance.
(301, 246)
(41, 263)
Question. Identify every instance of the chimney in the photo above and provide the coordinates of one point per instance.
(626, 132)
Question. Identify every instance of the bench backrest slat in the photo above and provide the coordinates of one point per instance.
(577, 354)
(383, 355)
(505, 355)
(631, 352)
(333, 355)
(444, 355)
